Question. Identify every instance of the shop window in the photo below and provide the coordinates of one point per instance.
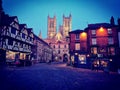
(82, 59)
(10, 55)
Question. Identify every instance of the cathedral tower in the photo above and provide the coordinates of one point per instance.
(67, 25)
(51, 27)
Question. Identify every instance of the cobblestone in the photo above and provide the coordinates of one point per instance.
(56, 76)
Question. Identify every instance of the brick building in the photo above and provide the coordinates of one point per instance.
(78, 47)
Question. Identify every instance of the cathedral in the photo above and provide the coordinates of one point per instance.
(58, 39)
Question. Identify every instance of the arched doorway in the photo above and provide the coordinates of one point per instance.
(65, 58)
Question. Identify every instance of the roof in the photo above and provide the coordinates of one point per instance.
(21, 26)
(29, 30)
(35, 36)
(77, 31)
(98, 25)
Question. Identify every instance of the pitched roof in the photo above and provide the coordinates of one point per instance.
(98, 25)
(76, 31)
(21, 26)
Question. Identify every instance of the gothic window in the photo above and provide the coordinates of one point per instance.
(52, 24)
(66, 23)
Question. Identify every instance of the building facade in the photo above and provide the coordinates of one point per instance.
(58, 40)
(16, 40)
(98, 44)
(42, 52)
(78, 47)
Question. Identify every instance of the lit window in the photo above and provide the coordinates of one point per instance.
(109, 31)
(82, 59)
(94, 42)
(77, 36)
(94, 50)
(111, 51)
(110, 40)
(77, 46)
(93, 32)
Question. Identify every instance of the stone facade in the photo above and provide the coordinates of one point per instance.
(58, 40)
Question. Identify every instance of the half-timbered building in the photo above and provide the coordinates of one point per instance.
(16, 39)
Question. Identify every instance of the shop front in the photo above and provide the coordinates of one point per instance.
(16, 58)
(78, 60)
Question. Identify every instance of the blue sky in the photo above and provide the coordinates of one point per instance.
(34, 12)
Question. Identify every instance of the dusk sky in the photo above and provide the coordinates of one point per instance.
(34, 12)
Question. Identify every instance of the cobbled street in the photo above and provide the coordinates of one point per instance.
(57, 76)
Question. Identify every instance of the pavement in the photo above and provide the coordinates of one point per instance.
(56, 76)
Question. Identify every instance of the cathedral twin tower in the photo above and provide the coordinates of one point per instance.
(64, 29)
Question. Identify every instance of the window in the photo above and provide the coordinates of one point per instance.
(77, 46)
(59, 46)
(51, 24)
(65, 23)
(94, 42)
(111, 51)
(109, 31)
(13, 30)
(93, 32)
(23, 35)
(110, 40)
(64, 46)
(21, 45)
(94, 50)
(82, 59)
(77, 36)
(10, 42)
(54, 46)
(58, 51)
